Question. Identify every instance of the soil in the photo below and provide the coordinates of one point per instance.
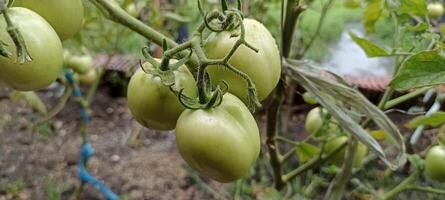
(43, 164)
(38, 164)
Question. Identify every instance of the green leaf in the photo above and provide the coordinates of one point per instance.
(371, 49)
(419, 27)
(31, 99)
(413, 7)
(378, 134)
(416, 161)
(176, 17)
(372, 13)
(434, 120)
(306, 151)
(423, 69)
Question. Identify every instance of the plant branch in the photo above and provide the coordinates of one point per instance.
(118, 15)
(272, 125)
(293, 10)
(324, 12)
(394, 102)
(337, 187)
(401, 187)
(311, 164)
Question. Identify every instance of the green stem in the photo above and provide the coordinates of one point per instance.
(293, 11)
(272, 125)
(401, 187)
(118, 15)
(337, 187)
(287, 140)
(426, 189)
(311, 164)
(324, 11)
(394, 102)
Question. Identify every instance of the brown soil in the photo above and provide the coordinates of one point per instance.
(47, 162)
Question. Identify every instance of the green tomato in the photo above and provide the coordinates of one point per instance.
(66, 16)
(435, 163)
(43, 45)
(132, 9)
(222, 143)
(314, 121)
(152, 103)
(88, 78)
(264, 67)
(308, 98)
(338, 158)
(435, 10)
(80, 64)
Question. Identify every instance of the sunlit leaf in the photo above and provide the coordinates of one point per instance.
(372, 14)
(423, 69)
(413, 7)
(378, 134)
(371, 49)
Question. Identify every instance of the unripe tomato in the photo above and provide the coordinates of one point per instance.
(308, 98)
(80, 64)
(66, 16)
(264, 67)
(222, 143)
(338, 158)
(314, 121)
(435, 163)
(152, 103)
(132, 9)
(88, 78)
(43, 45)
(435, 10)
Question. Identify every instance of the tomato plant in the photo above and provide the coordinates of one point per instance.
(222, 143)
(339, 157)
(263, 68)
(66, 17)
(231, 62)
(43, 45)
(152, 103)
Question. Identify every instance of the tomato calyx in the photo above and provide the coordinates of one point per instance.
(22, 52)
(213, 96)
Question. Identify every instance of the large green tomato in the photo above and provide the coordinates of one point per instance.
(314, 121)
(264, 67)
(222, 143)
(66, 16)
(435, 10)
(152, 103)
(435, 163)
(338, 158)
(43, 45)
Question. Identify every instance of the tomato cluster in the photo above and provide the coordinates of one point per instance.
(222, 141)
(42, 25)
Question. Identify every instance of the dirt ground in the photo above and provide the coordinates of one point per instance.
(43, 165)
